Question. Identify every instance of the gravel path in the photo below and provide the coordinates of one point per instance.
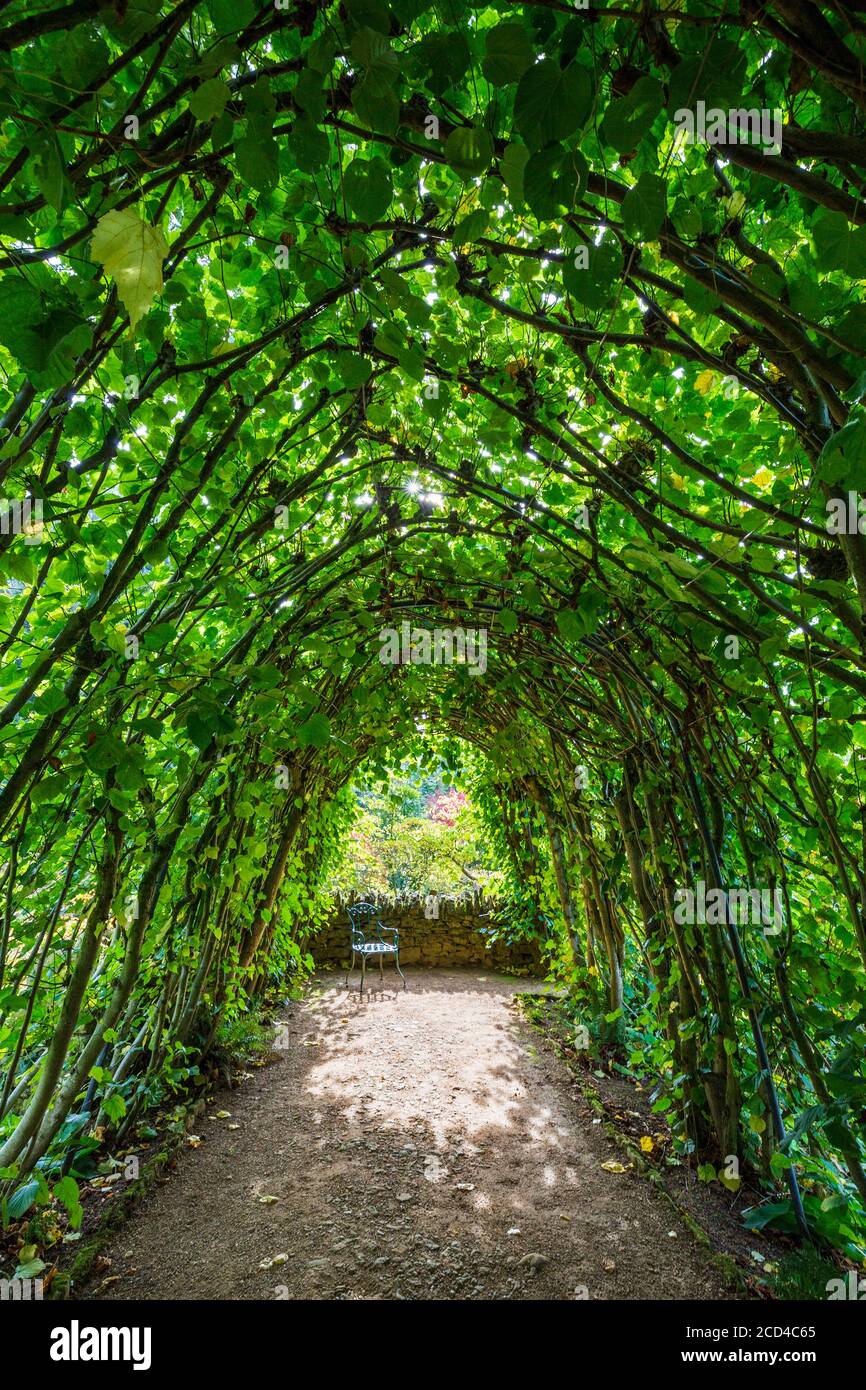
(420, 1145)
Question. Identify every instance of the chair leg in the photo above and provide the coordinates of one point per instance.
(363, 970)
(399, 971)
(349, 971)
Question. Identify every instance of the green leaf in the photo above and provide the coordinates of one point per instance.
(49, 789)
(838, 245)
(552, 102)
(353, 369)
(66, 1192)
(114, 1106)
(591, 274)
(373, 50)
(257, 158)
(643, 208)
(468, 150)
(375, 100)
(308, 145)
(570, 624)
(508, 53)
(512, 166)
(41, 329)
(209, 100)
(200, 730)
(715, 76)
(627, 119)
(265, 677)
(843, 458)
(374, 14)
(367, 187)
(469, 228)
(316, 732)
(23, 1199)
(776, 1214)
(553, 180)
(229, 16)
(309, 95)
(158, 636)
(49, 168)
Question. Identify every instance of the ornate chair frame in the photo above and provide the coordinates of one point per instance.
(368, 938)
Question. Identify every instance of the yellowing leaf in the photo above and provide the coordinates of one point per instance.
(613, 1167)
(734, 205)
(132, 253)
(704, 381)
(647, 1144)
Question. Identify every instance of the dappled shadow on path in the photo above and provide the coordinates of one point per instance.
(418, 1144)
(453, 1067)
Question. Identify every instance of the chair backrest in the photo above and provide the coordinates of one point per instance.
(360, 913)
(363, 919)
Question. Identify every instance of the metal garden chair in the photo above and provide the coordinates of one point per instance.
(369, 939)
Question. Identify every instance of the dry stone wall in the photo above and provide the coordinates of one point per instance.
(456, 938)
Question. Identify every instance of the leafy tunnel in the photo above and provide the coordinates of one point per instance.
(483, 373)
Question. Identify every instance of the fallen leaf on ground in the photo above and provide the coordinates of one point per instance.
(270, 1260)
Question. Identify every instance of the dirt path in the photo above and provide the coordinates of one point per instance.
(420, 1145)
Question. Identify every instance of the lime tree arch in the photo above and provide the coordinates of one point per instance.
(320, 318)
